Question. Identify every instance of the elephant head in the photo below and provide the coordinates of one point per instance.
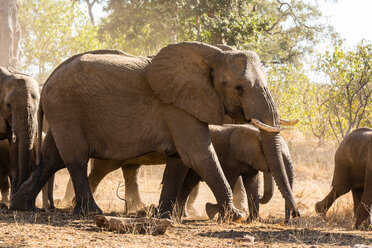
(208, 83)
(19, 99)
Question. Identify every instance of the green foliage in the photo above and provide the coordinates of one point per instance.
(53, 30)
(268, 27)
(287, 84)
(350, 90)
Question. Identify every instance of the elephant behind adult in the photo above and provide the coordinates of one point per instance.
(19, 100)
(111, 105)
(353, 171)
(240, 152)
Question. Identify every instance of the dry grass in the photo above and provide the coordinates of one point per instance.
(314, 169)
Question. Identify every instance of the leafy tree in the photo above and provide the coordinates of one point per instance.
(350, 91)
(269, 27)
(315, 103)
(53, 30)
(287, 84)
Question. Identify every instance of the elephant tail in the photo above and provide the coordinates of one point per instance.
(40, 115)
(268, 188)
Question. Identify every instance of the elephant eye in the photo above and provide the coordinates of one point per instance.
(8, 106)
(239, 88)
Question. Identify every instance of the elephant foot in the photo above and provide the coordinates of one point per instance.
(211, 209)
(3, 206)
(319, 208)
(363, 225)
(135, 206)
(88, 209)
(230, 214)
(251, 219)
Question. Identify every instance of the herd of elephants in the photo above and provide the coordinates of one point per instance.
(205, 111)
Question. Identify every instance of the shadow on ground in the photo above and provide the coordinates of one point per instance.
(304, 236)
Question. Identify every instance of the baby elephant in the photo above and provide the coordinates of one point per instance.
(240, 153)
(353, 171)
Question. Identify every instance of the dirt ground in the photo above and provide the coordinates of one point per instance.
(314, 169)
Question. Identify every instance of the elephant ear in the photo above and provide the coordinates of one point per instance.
(181, 75)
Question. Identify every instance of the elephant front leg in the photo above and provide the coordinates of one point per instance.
(132, 195)
(364, 209)
(251, 182)
(193, 143)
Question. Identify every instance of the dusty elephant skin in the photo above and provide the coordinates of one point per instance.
(111, 105)
(353, 171)
(229, 141)
(240, 153)
(19, 99)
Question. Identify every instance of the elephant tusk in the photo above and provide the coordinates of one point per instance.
(288, 123)
(266, 127)
(14, 137)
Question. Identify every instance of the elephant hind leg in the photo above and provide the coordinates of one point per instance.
(364, 208)
(323, 206)
(357, 195)
(132, 195)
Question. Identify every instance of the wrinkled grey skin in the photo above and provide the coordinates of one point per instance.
(240, 152)
(353, 171)
(19, 100)
(111, 105)
(130, 168)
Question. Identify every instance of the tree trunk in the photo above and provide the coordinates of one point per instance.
(10, 33)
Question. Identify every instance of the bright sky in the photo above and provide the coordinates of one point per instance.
(351, 18)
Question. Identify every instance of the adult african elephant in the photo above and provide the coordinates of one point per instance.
(19, 100)
(353, 171)
(111, 105)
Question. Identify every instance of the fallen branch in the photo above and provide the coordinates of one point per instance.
(146, 225)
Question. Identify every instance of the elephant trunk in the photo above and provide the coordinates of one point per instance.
(23, 136)
(271, 143)
(268, 188)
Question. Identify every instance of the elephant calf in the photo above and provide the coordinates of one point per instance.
(240, 152)
(353, 171)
